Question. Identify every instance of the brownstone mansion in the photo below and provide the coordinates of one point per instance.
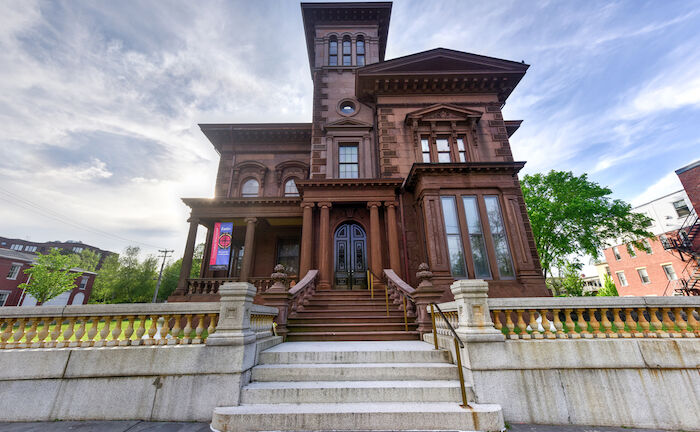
(406, 161)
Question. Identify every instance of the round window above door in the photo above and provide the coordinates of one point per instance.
(348, 107)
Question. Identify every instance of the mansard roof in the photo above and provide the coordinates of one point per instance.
(231, 133)
(440, 70)
(345, 13)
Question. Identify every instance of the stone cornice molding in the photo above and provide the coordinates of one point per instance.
(446, 169)
(240, 202)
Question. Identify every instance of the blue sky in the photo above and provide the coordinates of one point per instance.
(100, 101)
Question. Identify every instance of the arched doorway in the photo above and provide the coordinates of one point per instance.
(350, 255)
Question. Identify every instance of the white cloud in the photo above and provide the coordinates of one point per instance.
(665, 185)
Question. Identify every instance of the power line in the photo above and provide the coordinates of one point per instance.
(43, 211)
(165, 253)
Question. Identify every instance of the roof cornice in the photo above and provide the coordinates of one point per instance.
(420, 169)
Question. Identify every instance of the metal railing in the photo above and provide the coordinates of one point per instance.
(458, 345)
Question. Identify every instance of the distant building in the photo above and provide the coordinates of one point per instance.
(69, 246)
(668, 263)
(12, 266)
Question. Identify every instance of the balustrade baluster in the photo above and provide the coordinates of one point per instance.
(680, 323)
(104, 332)
(617, 321)
(200, 329)
(187, 337)
(570, 326)
(692, 321)
(175, 330)
(521, 325)
(129, 331)
(164, 330)
(7, 332)
(116, 332)
(56, 332)
(558, 325)
(607, 325)
(629, 325)
(19, 334)
(509, 324)
(497, 320)
(67, 333)
(140, 331)
(583, 324)
(80, 333)
(93, 330)
(212, 324)
(534, 325)
(658, 327)
(595, 324)
(546, 325)
(31, 333)
(152, 330)
(43, 333)
(669, 324)
(641, 319)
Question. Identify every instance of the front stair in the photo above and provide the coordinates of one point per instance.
(350, 316)
(334, 386)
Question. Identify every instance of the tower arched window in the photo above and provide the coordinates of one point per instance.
(333, 51)
(251, 188)
(360, 51)
(290, 189)
(347, 51)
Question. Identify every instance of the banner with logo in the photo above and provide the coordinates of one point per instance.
(221, 246)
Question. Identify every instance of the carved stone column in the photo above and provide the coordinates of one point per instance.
(247, 266)
(375, 239)
(307, 238)
(393, 237)
(425, 294)
(187, 257)
(475, 325)
(324, 251)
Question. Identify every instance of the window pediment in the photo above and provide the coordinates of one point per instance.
(248, 169)
(346, 123)
(292, 168)
(443, 113)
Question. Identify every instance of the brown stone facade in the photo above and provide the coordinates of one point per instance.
(405, 161)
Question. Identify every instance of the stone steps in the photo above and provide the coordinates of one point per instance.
(337, 326)
(353, 336)
(331, 386)
(347, 318)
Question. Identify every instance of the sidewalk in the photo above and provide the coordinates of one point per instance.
(140, 426)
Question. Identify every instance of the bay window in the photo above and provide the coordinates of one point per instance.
(443, 148)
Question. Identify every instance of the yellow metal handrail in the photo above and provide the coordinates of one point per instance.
(458, 345)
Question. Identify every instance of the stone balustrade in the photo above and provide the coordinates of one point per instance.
(450, 312)
(118, 325)
(211, 285)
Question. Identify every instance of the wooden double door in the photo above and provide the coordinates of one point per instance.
(350, 252)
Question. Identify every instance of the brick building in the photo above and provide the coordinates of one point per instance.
(668, 263)
(406, 161)
(12, 266)
(69, 246)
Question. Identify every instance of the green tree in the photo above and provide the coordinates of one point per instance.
(50, 276)
(609, 289)
(137, 279)
(171, 276)
(571, 215)
(88, 260)
(197, 259)
(106, 284)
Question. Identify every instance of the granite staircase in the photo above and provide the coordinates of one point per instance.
(350, 316)
(334, 386)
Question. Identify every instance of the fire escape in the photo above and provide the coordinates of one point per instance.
(686, 242)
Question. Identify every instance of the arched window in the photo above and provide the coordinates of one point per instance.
(360, 51)
(251, 188)
(290, 188)
(333, 51)
(347, 51)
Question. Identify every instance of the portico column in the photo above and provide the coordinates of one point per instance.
(187, 257)
(306, 238)
(247, 266)
(374, 238)
(324, 251)
(393, 237)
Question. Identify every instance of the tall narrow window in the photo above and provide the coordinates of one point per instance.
(333, 52)
(443, 149)
(630, 250)
(621, 277)
(500, 239)
(288, 254)
(14, 271)
(425, 148)
(670, 272)
(647, 246)
(454, 239)
(348, 166)
(290, 188)
(360, 51)
(83, 283)
(643, 275)
(461, 150)
(250, 188)
(616, 252)
(476, 239)
(347, 52)
(681, 208)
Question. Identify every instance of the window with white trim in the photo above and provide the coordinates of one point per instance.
(83, 282)
(616, 252)
(17, 247)
(4, 295)
(670, 272)
(647, 247)
(14, 271)
(681, 208)
(30, 248)
(630, 250)
(621, 277)
(348, 161)
(643, 275)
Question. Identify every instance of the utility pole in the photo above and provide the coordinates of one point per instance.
(165, 253)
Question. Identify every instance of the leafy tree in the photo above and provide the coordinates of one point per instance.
(88, 260)
(50, 276)
(609, 289)
(107, 281)
(197, 259)
(571, 215)
(137, 279)
(171, 276)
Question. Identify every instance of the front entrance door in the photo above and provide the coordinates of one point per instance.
(350, 263)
